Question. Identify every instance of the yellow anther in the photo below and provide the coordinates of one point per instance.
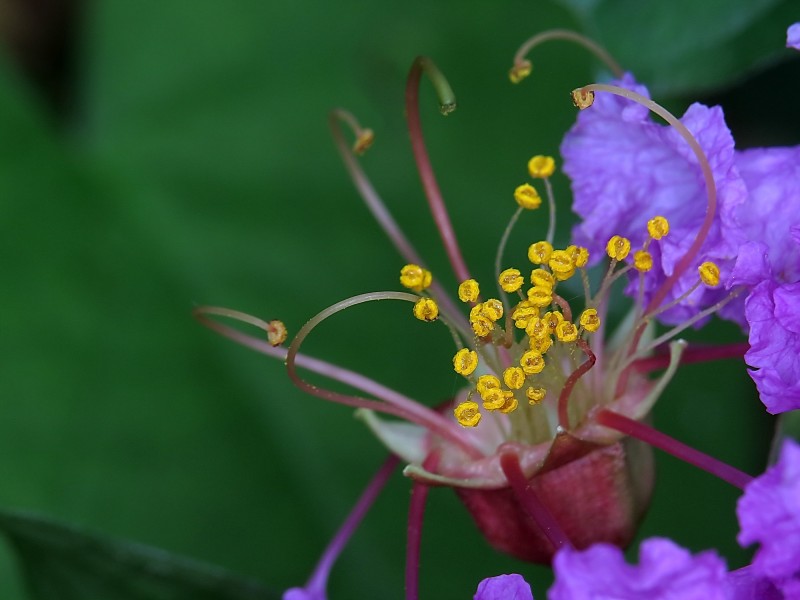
(426, 309)
(553, 318)
(541, 344)
(514, 377)
(511, 280)
(523, 314)
(642, 261)
(363, 141)
(564, 275)
(618, 247)
(535, 394)
(582, 98)
(657, 227)
(542, 278)
(494, 399)
(468, 413)
(415, 277)
(486, 383)
(709, 274)
(465, 361)
(527, 196)
(492, 309)
(481, 326)
(541, 166)
(276, 333)
(540, 296)
(532, 362)
(537, 328)
(579, 255)
(590, 320)
(561, 262)
(510, 404)
(520, 71)
(469, 291)
(566, 331)
(539, 253)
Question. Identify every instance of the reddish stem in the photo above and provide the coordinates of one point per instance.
(672, 446)
(530, 501)
(563, 398)
(692, 355)
(429, 184)
(416, 513)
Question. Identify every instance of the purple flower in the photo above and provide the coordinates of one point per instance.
(665, 571)
(744, 584)
(769, 514)
(504, 587)
(626, 169)
(793, 36)
(773, 312)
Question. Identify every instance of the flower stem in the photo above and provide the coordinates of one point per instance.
(672, 446)
(416, 514)
(529, 499)
(429, 184)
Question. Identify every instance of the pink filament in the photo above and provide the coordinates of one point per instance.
(569, 384)
(692, 355)
(416, 514)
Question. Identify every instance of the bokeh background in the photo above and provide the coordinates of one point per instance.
(155, 156)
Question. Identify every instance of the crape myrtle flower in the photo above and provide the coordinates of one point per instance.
(504, 587)
(545, 445)
(793, 37)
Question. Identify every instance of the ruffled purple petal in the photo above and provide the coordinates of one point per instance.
(665, 571)
(793, 36)
(769, 514)
(504, 587)
(745, 584)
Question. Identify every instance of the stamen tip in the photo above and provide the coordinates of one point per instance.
(447, 108)
(582, 98)
(520, 71)
(276, 333)
(363, 141)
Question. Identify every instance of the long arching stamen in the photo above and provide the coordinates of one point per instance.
(522, 66)
(416, 514)
(678, 449)
(563, 397)
(396, 404)
(318, 582)
(447, 104)
(498, 258)
(378, 208)
(529, 499)
(692, 355)
(583, 98)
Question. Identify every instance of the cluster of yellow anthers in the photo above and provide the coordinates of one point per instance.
(544, 315)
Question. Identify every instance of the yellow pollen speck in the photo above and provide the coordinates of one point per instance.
(492, 309)
(493, 399)
(527, 196)
(561, 262)
(520, 71)
(618, 247)
(532, 362)
(468, 414)
(657, 227)
(510, 403)
(511, 280)
(539, 253)
(514, 377)
(426, 309)
(540, 166)
(540, 296)
(642, 261)
(542, 278)
(415, 277)
(590, 320)
(582, 99)
(276, 333)
(363, 141)
(486, 383)
(465, 361)
(469, 291)
(579, 255)
(535, 394)
(566, 331)
(709, 274)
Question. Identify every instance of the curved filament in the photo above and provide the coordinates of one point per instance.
(565, 34)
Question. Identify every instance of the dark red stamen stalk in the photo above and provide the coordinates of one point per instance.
(692, 355)
(429, 184)
(672, 446)
(319, 578)
(416, 513)
(563, 397)
(529, 500)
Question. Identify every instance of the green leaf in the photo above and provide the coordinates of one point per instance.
(667, 44)
(65, 562)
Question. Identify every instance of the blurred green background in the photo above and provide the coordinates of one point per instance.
(155, 156)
